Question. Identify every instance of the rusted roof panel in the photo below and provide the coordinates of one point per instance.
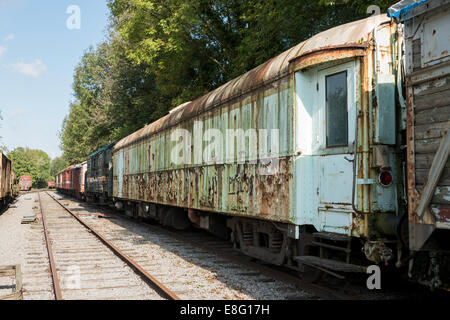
(66, 169)
(348, 35)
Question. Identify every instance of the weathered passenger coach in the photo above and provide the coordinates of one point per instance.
(427, 40)
(298, 161)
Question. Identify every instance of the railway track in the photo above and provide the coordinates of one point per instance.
(113, 253)
(212, 253)
(84, 265)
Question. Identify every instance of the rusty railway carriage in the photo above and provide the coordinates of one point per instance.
(311, 160)
(71, 180)
(25, 183)
(64, 180)
(99, 175)
(427, 65)
(321, 188)
(7, 181)
(51, 184)
(78, 180)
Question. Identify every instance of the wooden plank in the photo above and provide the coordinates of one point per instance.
(424, 161)
(16, 271)
(431, 130)
(432, 87)
(421, 176)
(433, 175)
(441, 195)
(7, 273)
(19, 289)
(417, 54)
(436, 114)
(438, 99)
(427, 145)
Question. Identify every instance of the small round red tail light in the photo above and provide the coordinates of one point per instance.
(385, 178)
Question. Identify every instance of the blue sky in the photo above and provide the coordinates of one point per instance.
(38, 54)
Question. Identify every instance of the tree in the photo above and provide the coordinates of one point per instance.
(161, 53)
(56, 165)
(35, 163)
(114, 97)
(195, 46)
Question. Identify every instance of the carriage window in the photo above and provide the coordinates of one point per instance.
(336, 102)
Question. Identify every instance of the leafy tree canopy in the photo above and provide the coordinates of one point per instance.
(161, 53)
(35, 163)
(56, 165)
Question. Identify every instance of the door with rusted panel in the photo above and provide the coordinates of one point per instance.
(325, 130)
(336, 103)
(119, 163)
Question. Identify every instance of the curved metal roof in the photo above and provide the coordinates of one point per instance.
(352, 34)
(67, 169)
(101, 149)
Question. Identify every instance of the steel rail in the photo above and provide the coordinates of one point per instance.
(323, 292)
(55, 278)
(318, 290)
(163, 290)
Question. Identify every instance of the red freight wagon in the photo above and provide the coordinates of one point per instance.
(64, 180)
(51, 184)
(71, 180)
(25, 183)
(78, 179)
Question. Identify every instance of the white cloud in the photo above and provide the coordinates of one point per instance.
(11, 3)
(2, 50)
(33, 69)
(10, 37)
(18, 112)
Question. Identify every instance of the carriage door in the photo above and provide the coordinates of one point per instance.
(335, 136)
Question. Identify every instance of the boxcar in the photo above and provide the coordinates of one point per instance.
(6, 181)
(78, 180)
(71, 180)
(298, 162)
(51, 184)
(427, 46)
(64, 180)
(99, 175)
(25, 183)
